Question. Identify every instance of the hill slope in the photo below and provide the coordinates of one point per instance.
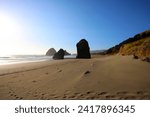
(138, 45)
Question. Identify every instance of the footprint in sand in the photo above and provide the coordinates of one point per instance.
(84, 74)
(110, 96)
(79, 95)
(21, 98)
(140, 92)
(15, 96)
(11, 93)
(43, 94)
(76, 93)
(55, 97)
(87, 72)
(34, 81)
(35, 95)
(72, 96)
(64, 97)
(46, 73)
(130, 98)
(122, 93)
(60, 71)
(88, 92)
(67, 92)
(102, 93)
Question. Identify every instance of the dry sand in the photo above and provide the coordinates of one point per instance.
(102, 77)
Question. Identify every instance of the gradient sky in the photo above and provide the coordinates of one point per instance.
(34, 26)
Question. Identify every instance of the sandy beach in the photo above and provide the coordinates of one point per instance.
(102, 77)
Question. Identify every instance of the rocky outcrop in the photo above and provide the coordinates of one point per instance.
(83, 49)
(59, 55)
(50, 52)
(146, 59)
(66, 53)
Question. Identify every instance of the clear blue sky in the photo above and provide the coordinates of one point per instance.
(62, 23)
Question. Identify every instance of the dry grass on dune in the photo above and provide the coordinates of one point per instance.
(140, 48)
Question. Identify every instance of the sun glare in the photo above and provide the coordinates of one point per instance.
(10, 35)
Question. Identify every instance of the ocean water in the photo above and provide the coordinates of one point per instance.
(12, 59)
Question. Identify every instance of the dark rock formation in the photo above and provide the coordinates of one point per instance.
(59, 55)
(146, 59)
(135, 57)
(66, 53)
(50, 52)
(83, 49)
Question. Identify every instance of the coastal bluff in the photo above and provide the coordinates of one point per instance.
(138, 45)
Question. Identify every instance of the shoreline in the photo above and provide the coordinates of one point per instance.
(21, 62)
(47, 58)
(102, 77)
(18, 59)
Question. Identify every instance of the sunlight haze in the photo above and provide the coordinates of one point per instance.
(12, 39)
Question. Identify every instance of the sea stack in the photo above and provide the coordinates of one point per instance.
(66, 53)
(50, 52)
(83, 49)
(59, 55)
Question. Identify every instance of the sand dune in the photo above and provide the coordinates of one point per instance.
(102, 77)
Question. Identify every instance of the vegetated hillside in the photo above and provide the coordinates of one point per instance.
(138, 45)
